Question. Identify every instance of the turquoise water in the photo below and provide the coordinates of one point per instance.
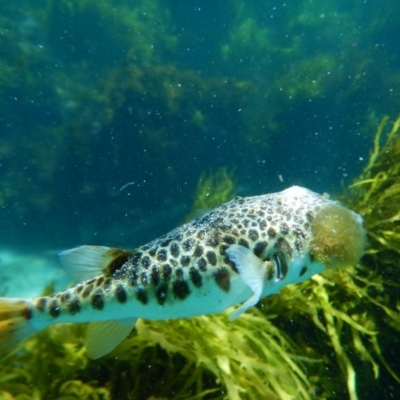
(98, 95)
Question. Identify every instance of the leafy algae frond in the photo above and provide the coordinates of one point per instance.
(376, 195)
(214, 188)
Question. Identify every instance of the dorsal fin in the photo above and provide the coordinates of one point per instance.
(104, 336)
(88, 262)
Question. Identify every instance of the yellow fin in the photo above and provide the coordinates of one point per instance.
(104, 336)
(88, 262)
(14, 323)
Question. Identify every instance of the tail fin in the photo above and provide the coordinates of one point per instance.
(14, 322)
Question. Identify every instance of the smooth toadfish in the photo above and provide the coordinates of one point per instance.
(239, 252)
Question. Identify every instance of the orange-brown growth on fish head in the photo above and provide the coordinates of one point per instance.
(338, 236)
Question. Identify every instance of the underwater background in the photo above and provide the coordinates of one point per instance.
(119, 119)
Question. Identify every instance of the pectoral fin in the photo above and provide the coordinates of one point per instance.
(253, 272)
(102, 337)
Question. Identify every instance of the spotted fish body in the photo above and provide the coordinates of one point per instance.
(241, 251)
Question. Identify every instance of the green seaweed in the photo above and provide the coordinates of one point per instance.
(214, 189)
(309, 341)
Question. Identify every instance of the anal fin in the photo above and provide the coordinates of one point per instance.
(104, 336)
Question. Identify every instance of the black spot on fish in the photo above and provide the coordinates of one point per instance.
(136, 259)
(244, 243)
(144, 279)
(201, 234)
(141, 295)
(298, 220)
(195, 276)
(41, 304)
(187, 244)
(54, 309)
(74, 306)
(153, 251)
(198, 251)
(253, 235)
(263, 225)
(303, 271)
(161, 294)
(217, 222)
(166, 272)
(180, 288)
(202, 264)
(284, 245)
(174, 249)
(226, 228)
(222, 249)
(162, 255)
(65, 296)
(231, 264)
(120, 294)
(298, 245)
(88, 289)
(133, 276)
(185, 260)
(79, 289)
(155, 275)
(99, 281)
(284, 229)
(271, 233)
(97, 300)
(298, 232)
(211, 257)
(165, 243)
(259, 248)
(222, 279)
(146, 262)
(309, 216)
(235, 232)
(212, 241)
(229, 239)
(107, 283)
